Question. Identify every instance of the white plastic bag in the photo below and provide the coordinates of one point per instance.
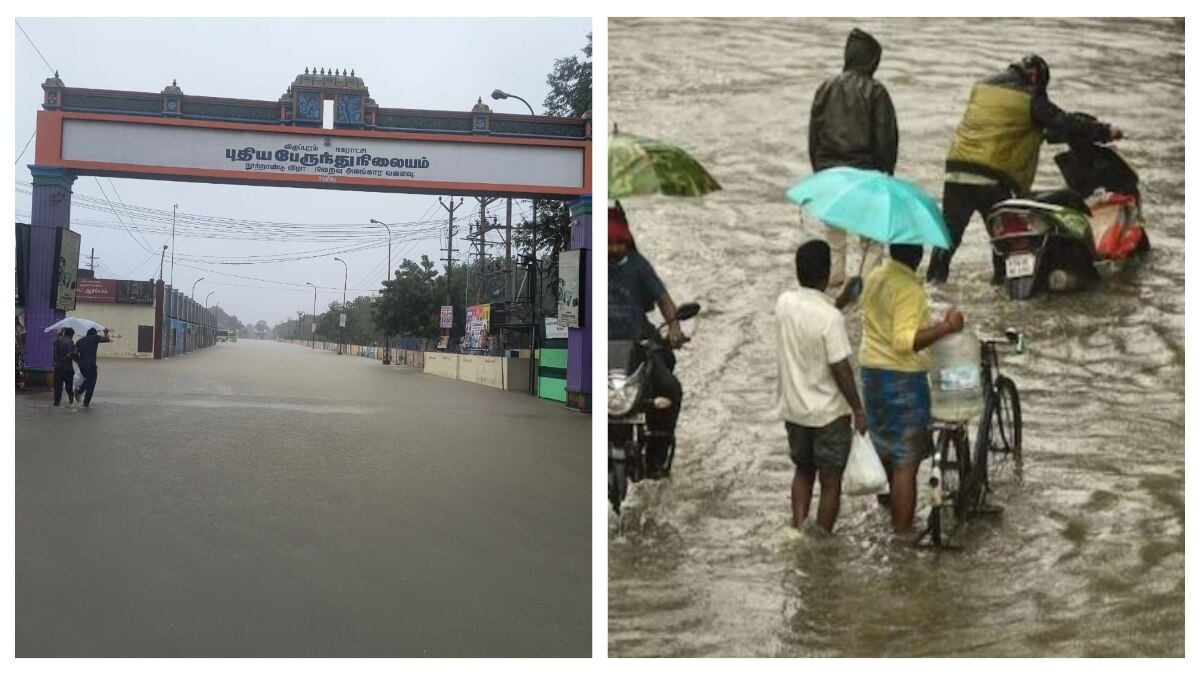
(864, 474)
(78, 384)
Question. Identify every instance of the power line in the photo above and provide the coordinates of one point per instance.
(131, 220)
(114, 210)
(26, 146)
(39, 52)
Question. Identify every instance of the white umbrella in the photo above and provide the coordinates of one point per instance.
(81, 326)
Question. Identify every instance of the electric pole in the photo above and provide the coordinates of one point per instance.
(92, 262)
(449, 242)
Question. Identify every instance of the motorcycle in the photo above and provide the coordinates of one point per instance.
(1063, 239)
(630, 400)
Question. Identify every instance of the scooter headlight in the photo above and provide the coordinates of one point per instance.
(622, 392)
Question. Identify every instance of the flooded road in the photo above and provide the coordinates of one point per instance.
(1088, 558)
(261, 499)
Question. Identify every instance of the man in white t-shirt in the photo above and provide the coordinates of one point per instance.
(816, 396)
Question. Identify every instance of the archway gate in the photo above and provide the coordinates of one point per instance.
(175, 136)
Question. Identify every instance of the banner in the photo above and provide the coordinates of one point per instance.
(65, 270)
(447, 320)
(338, 157)
(477, 338)
(23, 234)
(570, 301)
(135, 292)
(341, 321)
(96, 290)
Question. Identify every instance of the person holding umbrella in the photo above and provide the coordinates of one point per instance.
(640, 166)
(853, 123)
(894, 370)
(64, 371)
(896, 325)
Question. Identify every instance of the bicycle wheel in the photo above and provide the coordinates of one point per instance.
(976, 482)
(1005, 447)
(952, 463)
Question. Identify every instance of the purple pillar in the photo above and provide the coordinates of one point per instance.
(579, 340)
(51, 212)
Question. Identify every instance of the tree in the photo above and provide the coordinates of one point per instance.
(261, 327)
(570, 96)
(410, 301)
(570, 85)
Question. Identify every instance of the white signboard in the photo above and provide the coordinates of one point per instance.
(158, 148)
(314, 328)
(341, 321)
(553, 330)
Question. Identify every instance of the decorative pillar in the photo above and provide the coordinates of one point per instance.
(579, 340)
(481, 118)
(51, 212)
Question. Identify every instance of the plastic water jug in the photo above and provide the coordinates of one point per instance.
(956, 392)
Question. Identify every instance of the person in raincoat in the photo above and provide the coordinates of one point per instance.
(853, 123)
(994, 153)
(633, 290)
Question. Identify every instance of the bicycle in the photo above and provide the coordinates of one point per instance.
(959, 479)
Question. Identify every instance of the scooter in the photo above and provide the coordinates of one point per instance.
(1064, 239)
(630, 399)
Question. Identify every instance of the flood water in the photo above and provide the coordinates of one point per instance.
(1088, 558)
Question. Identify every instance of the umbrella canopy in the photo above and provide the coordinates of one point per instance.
(81, 326)
(874, 205)
(643, 166)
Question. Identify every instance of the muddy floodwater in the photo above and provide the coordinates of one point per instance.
(1088, 557)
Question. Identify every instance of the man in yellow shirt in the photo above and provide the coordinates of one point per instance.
(895, 388)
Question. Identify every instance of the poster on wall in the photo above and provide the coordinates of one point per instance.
(477, 340)
(570, 301)
(65, 270)
(447, 319)
(135, 292)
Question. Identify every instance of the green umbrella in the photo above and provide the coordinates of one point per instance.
(643, 166)
(874, 205)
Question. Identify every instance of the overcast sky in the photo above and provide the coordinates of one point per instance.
(435, 64)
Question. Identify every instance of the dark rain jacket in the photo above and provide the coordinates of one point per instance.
(853, 122)
(1001, 132)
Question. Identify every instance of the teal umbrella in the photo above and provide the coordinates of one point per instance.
(874, 205)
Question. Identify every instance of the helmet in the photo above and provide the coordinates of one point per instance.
(1038, 65)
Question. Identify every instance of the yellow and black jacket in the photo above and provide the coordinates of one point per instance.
(1001, 131)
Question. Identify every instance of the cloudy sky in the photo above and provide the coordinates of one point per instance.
(435, 64)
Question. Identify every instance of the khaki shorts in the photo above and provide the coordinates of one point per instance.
(822, 448)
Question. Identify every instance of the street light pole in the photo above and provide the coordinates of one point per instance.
(387, 342)
(313, 328)
(194, 287)
(498, 95)
(345, 279)
(161, 258)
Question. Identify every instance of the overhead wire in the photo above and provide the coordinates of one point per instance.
(35, 47)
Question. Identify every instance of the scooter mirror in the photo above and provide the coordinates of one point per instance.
(687, 311)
